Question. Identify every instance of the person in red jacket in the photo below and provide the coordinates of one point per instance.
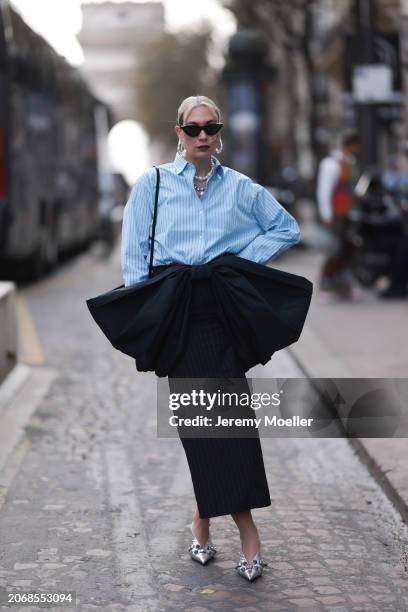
(337, 176)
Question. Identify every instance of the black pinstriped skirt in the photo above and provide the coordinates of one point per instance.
(228, 473)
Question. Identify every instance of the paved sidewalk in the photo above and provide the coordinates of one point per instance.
(90, 490)
(365, 339)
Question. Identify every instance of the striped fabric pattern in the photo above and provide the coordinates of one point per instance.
(228, 473)
(234, 214)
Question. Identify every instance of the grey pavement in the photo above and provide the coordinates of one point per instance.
(94, 501)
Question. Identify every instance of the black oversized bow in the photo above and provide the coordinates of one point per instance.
(262, 310)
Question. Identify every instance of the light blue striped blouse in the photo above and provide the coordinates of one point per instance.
(234, 214)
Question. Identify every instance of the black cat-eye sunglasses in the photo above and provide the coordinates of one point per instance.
(194, 130)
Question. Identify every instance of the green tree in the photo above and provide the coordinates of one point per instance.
(173, 67)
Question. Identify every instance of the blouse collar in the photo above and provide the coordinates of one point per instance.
(180, 163)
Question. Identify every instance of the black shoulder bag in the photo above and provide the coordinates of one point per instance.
(154, 221)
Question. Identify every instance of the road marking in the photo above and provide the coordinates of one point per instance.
(29, 345)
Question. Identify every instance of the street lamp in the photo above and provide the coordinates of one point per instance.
(369, 78)
(245, 77)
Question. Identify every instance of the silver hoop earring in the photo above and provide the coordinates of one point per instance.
(219, 149)
(180, 147)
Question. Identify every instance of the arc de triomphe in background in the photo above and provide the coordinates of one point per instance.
(112, 37)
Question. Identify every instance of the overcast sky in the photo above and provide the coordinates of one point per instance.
(60, 20)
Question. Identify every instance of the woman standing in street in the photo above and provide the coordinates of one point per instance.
(205, 210)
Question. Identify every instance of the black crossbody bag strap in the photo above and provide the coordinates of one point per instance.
(154, 221)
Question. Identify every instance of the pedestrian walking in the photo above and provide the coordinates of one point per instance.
(214, 310)
(336, 180)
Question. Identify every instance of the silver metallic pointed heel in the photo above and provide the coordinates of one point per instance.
(199, 553)
(250, 569)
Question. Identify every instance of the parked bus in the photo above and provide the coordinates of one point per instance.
(49, 175)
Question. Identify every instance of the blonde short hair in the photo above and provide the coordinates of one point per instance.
(191, 102)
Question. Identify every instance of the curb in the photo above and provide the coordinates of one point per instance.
(21, 392)
(383, 457)
(8, 328)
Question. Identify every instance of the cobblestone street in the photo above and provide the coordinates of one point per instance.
(97, 503)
